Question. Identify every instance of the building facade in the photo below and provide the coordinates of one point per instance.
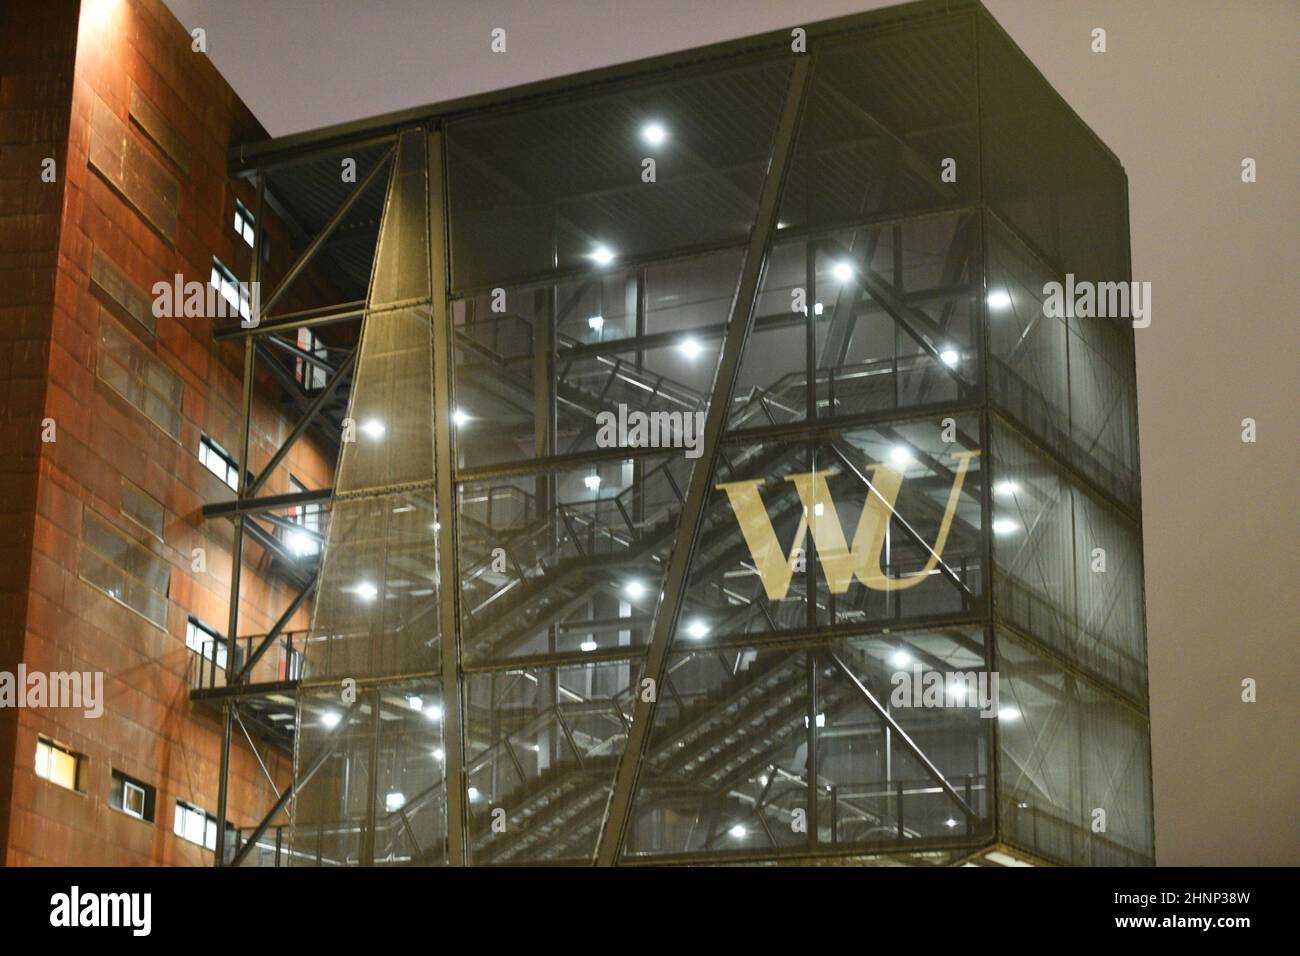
(717, 479)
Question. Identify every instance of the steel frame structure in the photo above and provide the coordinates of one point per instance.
(985, 835)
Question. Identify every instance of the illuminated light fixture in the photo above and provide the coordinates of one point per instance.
(697, 629)
(691, 348)
(415, 702)
(957, 692)
(374, 428)
(738, 832)
(634, 589)
(900, 658)
(1006, 488)
(950, 823)
(1008, 713)
(331, 718)
(394, 801)
(950, 357)
(434, 712)
(439, 755)
(899, 456)
(587, 646)
(1005, 526)
(654, 133)
(842, 271)
(762, 780)
(817, 308)
(592, 482)
(472, 793)
(298, 543)
(601, 255)
(537, 748)
(998, 299)
(459, 417)
(366, 591)
(596, 323)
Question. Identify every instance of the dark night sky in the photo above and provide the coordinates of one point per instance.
(1186, 90)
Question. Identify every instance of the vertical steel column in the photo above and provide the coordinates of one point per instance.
(668, 610)
(444, 466)
(241, 493)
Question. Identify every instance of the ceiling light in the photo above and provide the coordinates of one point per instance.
(592, 482)
(697, 629)
(950, 357)
(900, 658)
(738, 832)
(1008, 713)
(1005, 526)
(588, 646)
(691, 348)
(298, 543)
(365, 590)
(394, 801)
(950, 823)
(601, 255)
(472, 793)
(817, 308)
(654, 133)
(439, 755)
(415, 702)
(434, 712)
(998, 299)
(596, 323)
(634, 589)
(459, 417)
(1006, 488)
(331, 718)
(842, 271)
(899, 456)
(374, 428)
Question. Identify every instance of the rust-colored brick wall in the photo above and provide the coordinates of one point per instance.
(155, 202)
(37, 47)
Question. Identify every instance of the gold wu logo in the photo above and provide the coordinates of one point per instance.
(840, 562)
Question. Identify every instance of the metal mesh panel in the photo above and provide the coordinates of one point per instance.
(1068, 753)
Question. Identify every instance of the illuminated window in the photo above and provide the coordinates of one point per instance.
(232, 290)
(205, 641)
(306, 542)
(218, 461)
(246, 229)
(197, 825)
(59, 765)
(133, 797)
(310, 376)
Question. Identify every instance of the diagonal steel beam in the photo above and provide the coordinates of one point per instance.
(307, 254)
(321, 400)
(619, 811)
(444, 466)
(276, 630)
(917, 752)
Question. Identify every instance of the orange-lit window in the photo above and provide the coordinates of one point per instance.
(59, 765)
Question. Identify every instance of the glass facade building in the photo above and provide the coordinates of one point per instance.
(701, 409)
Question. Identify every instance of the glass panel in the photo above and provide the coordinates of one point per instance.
(567, 562)
(1069, 755)
(544, 745)
(560, 185)
(884, 111)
